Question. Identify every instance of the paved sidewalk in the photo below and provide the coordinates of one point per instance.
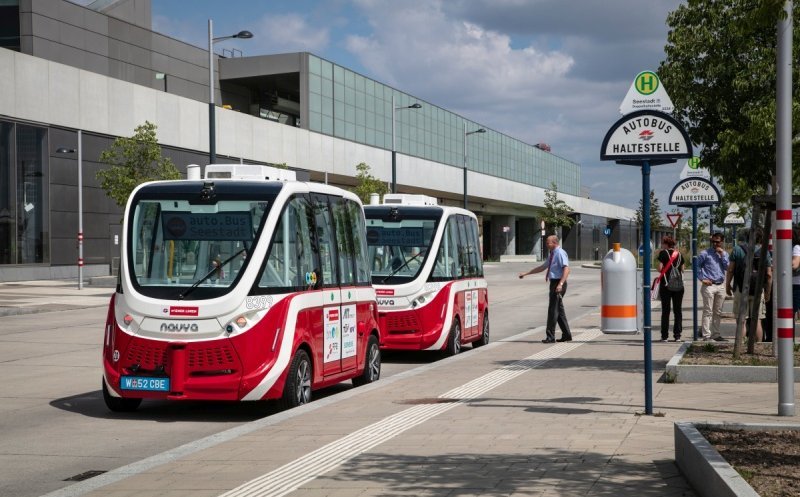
(513, 418)
(28, 297)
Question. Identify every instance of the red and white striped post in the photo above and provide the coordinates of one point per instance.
(783, 215)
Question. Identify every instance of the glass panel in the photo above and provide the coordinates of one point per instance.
(398, 249)
(463, 255)
(290, 263)
(446, 267)
(7, 197)
(359, 230)
(176, 244)
(32, 230)
(344, 242)
(327, 252)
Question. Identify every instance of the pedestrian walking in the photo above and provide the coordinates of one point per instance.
(712, 264)
(671, 291)
(557, 272)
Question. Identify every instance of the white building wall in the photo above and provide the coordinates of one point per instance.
(38, 90)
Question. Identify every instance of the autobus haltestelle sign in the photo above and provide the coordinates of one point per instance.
(694, 191)
(646, 135)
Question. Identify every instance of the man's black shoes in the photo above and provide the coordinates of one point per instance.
(564, 339)
(549, 340)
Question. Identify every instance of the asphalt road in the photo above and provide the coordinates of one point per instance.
(55, 426)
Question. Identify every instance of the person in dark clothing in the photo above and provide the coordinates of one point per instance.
(670, 299)
(557, 267)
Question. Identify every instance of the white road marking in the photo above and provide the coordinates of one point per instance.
(293, 475)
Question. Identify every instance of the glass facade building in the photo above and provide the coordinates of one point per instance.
(345, 104)
(24, 230)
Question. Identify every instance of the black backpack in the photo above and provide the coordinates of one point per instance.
(674, 276)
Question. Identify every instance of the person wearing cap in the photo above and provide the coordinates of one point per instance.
(712, 264)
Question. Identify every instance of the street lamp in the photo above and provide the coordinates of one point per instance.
(394, 152)
(212, 139)
(163, 75)
(466, 134)
(63, 150)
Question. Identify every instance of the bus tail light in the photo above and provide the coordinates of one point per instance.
(128, 319)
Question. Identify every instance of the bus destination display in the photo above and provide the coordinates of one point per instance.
(207, 226)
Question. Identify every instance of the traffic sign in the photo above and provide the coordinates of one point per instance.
(646, 135)
(607, 231)
(733, 219)
(674, 219)
(646, 93)
(697, 192)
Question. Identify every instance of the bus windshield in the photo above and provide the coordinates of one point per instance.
(178, 249)
(398, 249)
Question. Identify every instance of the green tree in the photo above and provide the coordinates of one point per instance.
(367, 183)
(655, 213)
(556, 212)
(133, 161)
(720, 71)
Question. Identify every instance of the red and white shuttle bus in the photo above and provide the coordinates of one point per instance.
(427, 273)
(236, 289)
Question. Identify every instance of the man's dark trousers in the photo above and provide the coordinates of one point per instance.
(555, 312)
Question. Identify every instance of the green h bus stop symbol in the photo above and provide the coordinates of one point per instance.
(646, 83)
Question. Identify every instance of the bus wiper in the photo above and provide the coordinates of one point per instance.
(189, 290)
(405, 264)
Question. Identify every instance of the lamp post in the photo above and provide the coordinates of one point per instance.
(394, 152)
(212, 139)
(163, 75)
(63, 150)
(466, 134)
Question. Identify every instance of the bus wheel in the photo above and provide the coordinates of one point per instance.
(484, 339)
(119, 404)
(297, 390)
(454, 340)
(372, 365)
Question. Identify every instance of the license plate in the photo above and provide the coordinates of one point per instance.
(144, 383)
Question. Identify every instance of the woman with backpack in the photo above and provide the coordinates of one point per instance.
(671, 291)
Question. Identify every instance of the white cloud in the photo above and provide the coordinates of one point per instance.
(538, 70)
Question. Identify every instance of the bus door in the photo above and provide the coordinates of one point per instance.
(348, 250)
(329, 339)
(467, 256)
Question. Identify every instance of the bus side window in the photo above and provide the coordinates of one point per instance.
(344, 241)
(324, 232)
(447, 258)
(463, 248)
(291, 255)
(476, 244)
(358, 228)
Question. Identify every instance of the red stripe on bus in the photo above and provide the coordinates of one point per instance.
(783, 214)
(785, 332)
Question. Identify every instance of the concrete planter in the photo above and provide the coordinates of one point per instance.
(706, 471)
(696, 373)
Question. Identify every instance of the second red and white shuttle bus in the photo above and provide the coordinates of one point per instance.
(428, 274)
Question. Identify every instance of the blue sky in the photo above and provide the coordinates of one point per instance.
(547, 71)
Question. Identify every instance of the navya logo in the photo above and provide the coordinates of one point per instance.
(179, 327)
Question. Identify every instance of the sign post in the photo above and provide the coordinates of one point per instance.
(694, 193)
(646, 138)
